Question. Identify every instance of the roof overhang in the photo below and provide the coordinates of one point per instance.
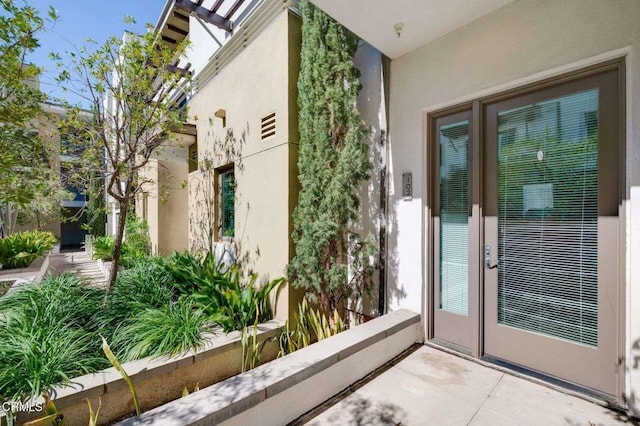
(422, 21)
(173, 23)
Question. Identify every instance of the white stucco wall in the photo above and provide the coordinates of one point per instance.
(205, 39)
(371, 106)
(523, 42)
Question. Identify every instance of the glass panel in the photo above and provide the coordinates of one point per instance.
(547, 217)
(454, 210)
(228, 203)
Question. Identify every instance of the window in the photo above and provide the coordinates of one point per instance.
(145, 205)
(193, 157)
(226, 202)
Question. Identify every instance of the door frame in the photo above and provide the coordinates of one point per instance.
(475, 219)
(476, 231)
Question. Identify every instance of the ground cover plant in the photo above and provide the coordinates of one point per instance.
(5, 286)
(135, 248)
(50, 331)
(18, 250)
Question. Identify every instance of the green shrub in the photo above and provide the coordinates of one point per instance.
(164, 331)
(137, 244)
(103, 247)
(61, 299)
(45, 337)
(135, 248)
(146, 285)
(20, 249)
(218, 290)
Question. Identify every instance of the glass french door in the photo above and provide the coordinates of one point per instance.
(551, 230)
(451, 224)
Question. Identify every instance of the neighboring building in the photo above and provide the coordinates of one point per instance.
(517, 231)
(66, 226)
(239, 160)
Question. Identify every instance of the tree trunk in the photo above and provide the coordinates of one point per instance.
(117, 249)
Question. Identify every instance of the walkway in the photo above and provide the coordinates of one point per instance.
(432, 387)
(80, 263)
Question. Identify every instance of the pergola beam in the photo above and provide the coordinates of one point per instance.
(217, 5)
(204, 14)
(234, 8)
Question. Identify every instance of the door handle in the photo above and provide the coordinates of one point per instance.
(488, 263)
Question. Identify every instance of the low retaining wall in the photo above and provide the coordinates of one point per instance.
(157, 381)
(280, 391)
(34, 272)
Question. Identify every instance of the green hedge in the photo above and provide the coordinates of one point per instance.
(20, 249)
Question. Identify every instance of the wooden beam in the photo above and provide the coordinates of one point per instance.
(177, 30)
(234, 8)
(180, 16)
(216, 6)
(183, 71)
(169, 40)
(204, 14)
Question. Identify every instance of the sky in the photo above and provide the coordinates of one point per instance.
(82, 19)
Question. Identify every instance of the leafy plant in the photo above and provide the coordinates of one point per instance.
(251, 347)
(20, 102)
(44, 336)
(52, 416)
(218, 290)
(135, 249)
(34, 356)
(103, 247)
(233, 305)
(310, 324)
(147, 285)
(123, 143)
(333, 163)
(93, 416)
(20, 249)
(166, 331)
(116, 364)
(323, 327)
(137, 245)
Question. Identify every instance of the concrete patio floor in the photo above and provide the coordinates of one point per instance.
(433, 387)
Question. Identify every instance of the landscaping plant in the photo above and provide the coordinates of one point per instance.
(170, 330)
(137, 244)
(20, 249)
(50, 332)
(147, 285)
(103, 247)
(44, 339)
(116, 364)
(219, 290)
(123, 72)
(135, 249)
(330, 262)
(310, 325)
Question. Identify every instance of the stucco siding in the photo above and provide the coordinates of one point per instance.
(524, 42)
(254, 84)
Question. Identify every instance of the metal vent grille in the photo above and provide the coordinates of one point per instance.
(268, 126)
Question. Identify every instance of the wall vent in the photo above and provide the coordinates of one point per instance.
(268, 126)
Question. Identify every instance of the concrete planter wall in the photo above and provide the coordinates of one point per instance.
(34, 272)
(282, 390)
(157, 381)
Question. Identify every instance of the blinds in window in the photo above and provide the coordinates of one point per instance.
(547, 217)
(454, 208)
